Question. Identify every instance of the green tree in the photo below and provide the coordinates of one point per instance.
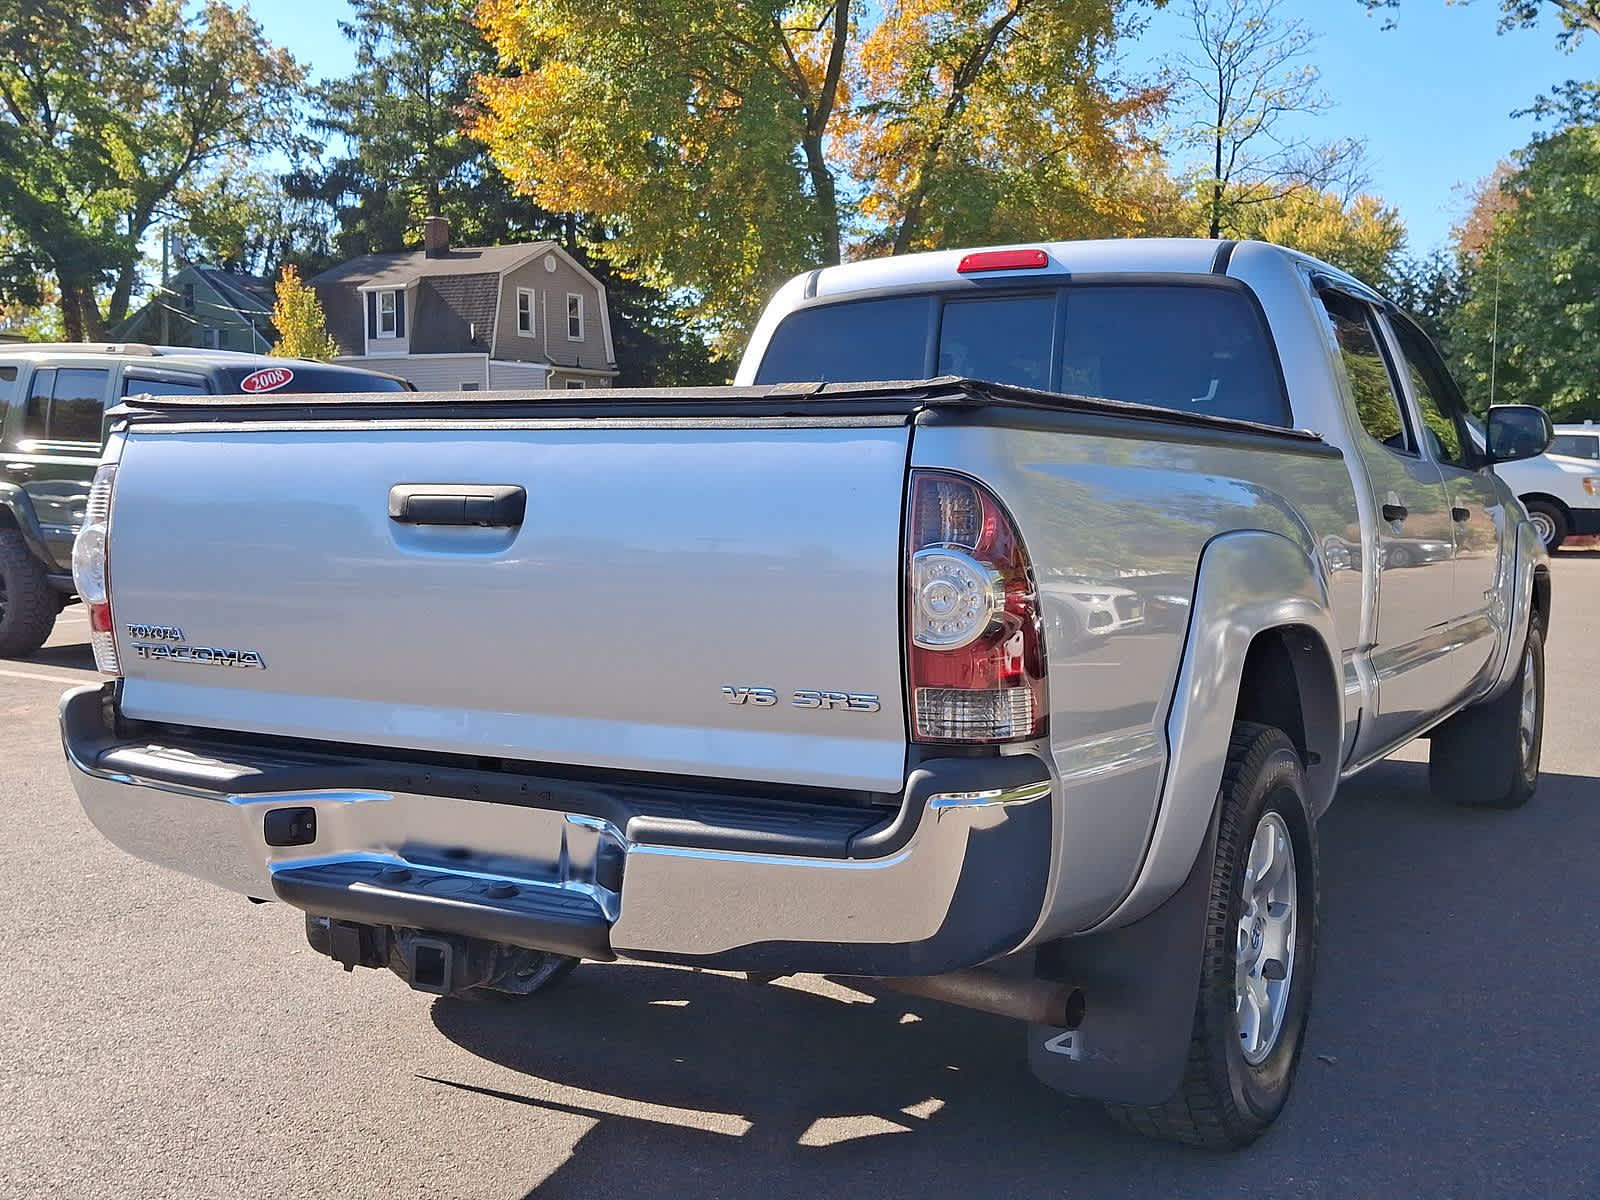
(1577, 16)
(1364, 236)
(301, 323)
(107, 111)
(397, 120)
(1431, 288)
(1529, 330)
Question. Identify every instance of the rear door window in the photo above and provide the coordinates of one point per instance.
(1356, 333)
(78, 404)
(858, 341)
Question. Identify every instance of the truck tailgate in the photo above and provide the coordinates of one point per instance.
(659, 572)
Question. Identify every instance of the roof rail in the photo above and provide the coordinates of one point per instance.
(138, 348)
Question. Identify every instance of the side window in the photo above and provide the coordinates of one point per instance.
(1377, 406)
(1438, 402)
(78, 404)
(1570, 445)
(8, 390)
(1003, 340)
(35, 419)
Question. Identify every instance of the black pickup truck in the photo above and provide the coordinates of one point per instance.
(53, 400)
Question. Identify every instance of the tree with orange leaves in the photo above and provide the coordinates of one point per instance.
(730, 143)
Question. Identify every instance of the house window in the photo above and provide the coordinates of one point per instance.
(188, 297)
(470, 387)
(525, 311)
(210, 338)
(388, 322)
(575, 385)
(574, 317)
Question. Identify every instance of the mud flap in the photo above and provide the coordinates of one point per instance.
(1141, 983)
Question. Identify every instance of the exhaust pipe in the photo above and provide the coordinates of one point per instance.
(1020, 997)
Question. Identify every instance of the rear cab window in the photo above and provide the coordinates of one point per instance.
(1200, 347)
(255, 379)
(166, 383)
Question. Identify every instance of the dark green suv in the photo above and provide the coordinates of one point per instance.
(53, 401)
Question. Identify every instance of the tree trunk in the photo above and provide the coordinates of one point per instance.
(93, 324)
(962, 81)
(827, 198)
(71, 319)
(120, 296)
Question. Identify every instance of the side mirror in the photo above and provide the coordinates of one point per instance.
(1518, 431)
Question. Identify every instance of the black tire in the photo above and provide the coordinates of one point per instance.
(1559, 527)
(1478, 757)
(28, 604)
(1225, 1101)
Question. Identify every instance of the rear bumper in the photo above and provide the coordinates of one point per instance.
(599, 868)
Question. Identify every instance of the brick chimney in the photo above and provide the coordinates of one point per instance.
(435, 237)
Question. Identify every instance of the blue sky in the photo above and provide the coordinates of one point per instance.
(1432, 97)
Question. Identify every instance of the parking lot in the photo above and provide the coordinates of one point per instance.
(160, 1038)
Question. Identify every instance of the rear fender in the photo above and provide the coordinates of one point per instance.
(14, 503)
(1249, 582)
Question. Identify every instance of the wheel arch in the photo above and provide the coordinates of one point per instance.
(1261, 645)
(16, 512)
(1547, 498)
(1288, 682)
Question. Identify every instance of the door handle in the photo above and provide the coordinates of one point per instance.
(1461, 514)
(1395, 512)
(499, 506)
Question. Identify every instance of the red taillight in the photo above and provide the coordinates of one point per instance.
(90, 573)
(1003, 260)
(974, 644)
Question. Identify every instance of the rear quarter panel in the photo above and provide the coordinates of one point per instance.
(1127, 518)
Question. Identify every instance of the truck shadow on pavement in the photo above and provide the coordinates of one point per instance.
(1456, 951)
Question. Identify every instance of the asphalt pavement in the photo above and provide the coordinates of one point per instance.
(159, 1038)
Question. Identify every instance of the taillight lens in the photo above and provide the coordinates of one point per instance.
(976, 650)
(89, 571)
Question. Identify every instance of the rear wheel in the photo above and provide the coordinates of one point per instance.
(1550, 521)
(28, 604)
(1261, 939)
(1487, 756)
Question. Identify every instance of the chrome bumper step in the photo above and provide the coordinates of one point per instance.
(405, 896)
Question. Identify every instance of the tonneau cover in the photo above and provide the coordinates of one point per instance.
(830, 400)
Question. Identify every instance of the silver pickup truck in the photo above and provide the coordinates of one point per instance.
(1000, 637)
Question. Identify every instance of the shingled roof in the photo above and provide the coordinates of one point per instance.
(457, 293)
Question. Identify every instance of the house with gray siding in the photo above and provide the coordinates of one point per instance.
(472, 318)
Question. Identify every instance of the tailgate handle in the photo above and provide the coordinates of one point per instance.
(495, 505)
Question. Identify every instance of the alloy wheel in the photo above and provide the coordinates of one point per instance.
(1264, 958)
